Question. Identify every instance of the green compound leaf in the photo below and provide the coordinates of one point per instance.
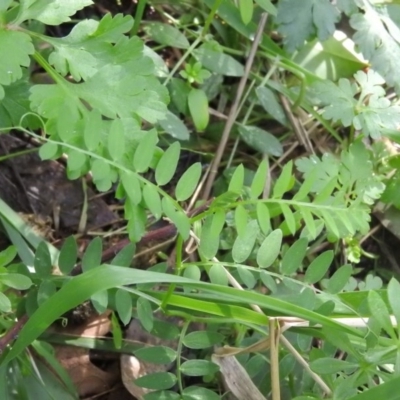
(157, 381)
(188, 182)
(319, 267)
(145, 151)
(68, 255)
(167, 34)
(244, 244)
(92, 257)
(145, 313)
(269, 249)
(123, 305)
(261, 140)
(293, 258)
(152, 199)
(116, 140)
(299, 21)
(10, 66)
(198, 106)
(131, 184)
(50, 12)
(42, 261)
(259, 180)
(198, 368)
(166, 167)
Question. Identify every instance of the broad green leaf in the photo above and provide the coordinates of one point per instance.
(385, 390)
(237, 180)
(167, 34)
(198, 107)
(380, 312)
(48, 151)
(267, 6)
(166, 167)
(293, 258)
(289, 217)
(157, 381)
(269, 249)
(100, 301)
(270, 104)
(241, 217)
(261, 140)
(145, 151)
(199, 393)
(331, 365)
(76, 160)
(192, 272)
(16, 281)
(263, 217)
(93, 130)
(7, 255)
(68, 255)
(100, 170)
(210, 231)
(319, 267)
(174, 127)
(123, 305)
(330, 222)
(212, 57)
(18, 46)
(244, 244)
(50, 12)
(246, 10)
(202, 339)
(246, 277)
(152, 200)
(125, 256)
(145, 313)
(284, 182)
(188, 182)
(42, 262)
(131, 184)
(339, 279)
(178, 217)
(92, 257)
(310, 229)
(268, 281)
(393, 291)
(198, 368)
(217, 275)
(116, 140)
(162, 395)
(156, 354)
(259, 180)
(46, 290)
(5, 303)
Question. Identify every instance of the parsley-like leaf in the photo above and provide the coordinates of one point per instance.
(50, 12)
(377, 38)
(298, 21)
(10, 66)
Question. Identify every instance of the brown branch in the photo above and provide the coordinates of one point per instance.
(12, 333)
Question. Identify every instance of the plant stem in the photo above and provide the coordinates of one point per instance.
(138, 17)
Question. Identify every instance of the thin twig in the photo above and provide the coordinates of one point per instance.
(12, 333)
(233, 112)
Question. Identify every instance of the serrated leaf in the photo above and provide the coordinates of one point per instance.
(237, 180)
(92, 257)
(339, 279)
(269, 249)
(68, 255)
(244, 244)
(198, 107)
(167, 35)
(188, 182)
(319, 267)
(166, 167)
(145, 313)
(270, 104)
(145, 151)
(380, 312)
(18, 46)
(261, 140)
(174, 127)
(298, 22)
(50, 12)
(259, 180)
(284, 182)
(116, 140)
(123, 305)
(152, 199)
(241, 217)
(42, 262)
(294, 256)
